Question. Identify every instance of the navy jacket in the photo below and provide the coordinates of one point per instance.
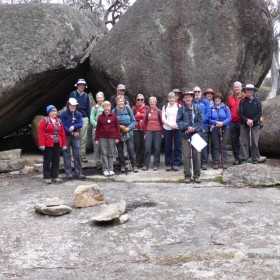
(84, 103)
(68, 119)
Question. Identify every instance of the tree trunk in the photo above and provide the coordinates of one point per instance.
(275, 72)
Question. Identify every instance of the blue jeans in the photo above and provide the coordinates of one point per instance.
(130, 150)
(153, 139)
(74, 143)
(172, 147)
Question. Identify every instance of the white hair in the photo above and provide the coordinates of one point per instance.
(237, 83)
(153, 98)
(100, 94)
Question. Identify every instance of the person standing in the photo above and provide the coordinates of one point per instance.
(96, 111)
(190, 121)
(120, 91)
(234, 126)
(209, 95)
(178, 96)
(107, 135)
(72, 121)
(51, 137)
(219, 122)
(250, 111)
(139, 111)
(205, 107)
(127, 123)
(153, 134)
(84, 108)
(172, 135)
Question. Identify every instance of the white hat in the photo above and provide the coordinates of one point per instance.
(73, 101)
(81, 82)
(120, 87)
(250, 86)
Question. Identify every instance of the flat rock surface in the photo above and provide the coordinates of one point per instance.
(174, 231)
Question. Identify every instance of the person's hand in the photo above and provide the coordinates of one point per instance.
(122, 127)
(76, 133)
(190, 130)
(219, 124)
(126, 129)
(174, 126)
(117, 141)
(42, 148)
(250, 122)
(64, 148)
(97, 142)
(71, 128)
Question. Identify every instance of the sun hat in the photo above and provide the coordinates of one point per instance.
(250, 86)
(176, 90)
(72, 101)
(49, 108)
(121, 87)
(189, 92)
(209, 90)
(81, 82)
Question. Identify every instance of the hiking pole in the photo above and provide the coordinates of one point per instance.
(172, 148)
(250, 142)
(191, 158)
(221, 147)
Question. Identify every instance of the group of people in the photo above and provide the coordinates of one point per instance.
(139, 129)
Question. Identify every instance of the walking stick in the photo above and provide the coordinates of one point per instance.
(250, 140)
(191, 158)
(221, 147)
(172, 148)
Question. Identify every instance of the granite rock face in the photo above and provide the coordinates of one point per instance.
(159, 45)
(270, 133)
(42, 48)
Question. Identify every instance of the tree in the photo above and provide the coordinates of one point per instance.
(274, 8)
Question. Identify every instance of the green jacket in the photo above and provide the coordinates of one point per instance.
(95, 112)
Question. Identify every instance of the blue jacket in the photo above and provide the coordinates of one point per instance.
(222, 114)
(205, 107)
(84, 103)
(189, 117)
(68, 119)
(126, 118)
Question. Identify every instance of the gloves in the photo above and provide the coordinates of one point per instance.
(64, 148)
(126, 129)
(122, 127)
(42, 148)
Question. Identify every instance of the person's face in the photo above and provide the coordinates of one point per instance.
(53, 113)
(121, 92)
(218, 101)
(81, 87)
(209, 96)
(177, 96)
(152, 103)
(249, 93)
(72, 108)
(237, 89)
(107, 109)
(100, 99)
(188, 99)
(140, 100)
(171, 100)
(120, 103)
(197, 92)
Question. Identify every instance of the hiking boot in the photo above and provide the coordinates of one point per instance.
(155, 168)
(255, 162)
(204, 166)
(236, 162)
(111, 173)
(197, 180)
(242, 161)
(215, 166)
(168, 168)
(175, 168)
(188, 180)
(135, 169)
(144, 168)
(80, 176)
(48, 181)
(57, 180)
(123, 169)
(106, 173)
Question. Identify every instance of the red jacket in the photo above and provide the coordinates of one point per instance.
(233, 104)
(139, 114)
(107, 127)
(46, 133)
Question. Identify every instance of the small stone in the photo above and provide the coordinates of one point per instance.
(57, 210)
(123, 218)
(88, 195)
(38, 168)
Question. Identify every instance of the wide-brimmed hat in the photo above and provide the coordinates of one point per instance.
(188, 92)
(72, 101)
(209, 90)
(81, 82)
(250, 86)
(121, 87)
(176, 90)
(218, 95)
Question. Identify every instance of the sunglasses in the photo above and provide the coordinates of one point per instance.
(197, 91)
(140, 99)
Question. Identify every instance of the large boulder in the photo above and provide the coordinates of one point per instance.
(42, 48)
(269, 141)
(158, 45)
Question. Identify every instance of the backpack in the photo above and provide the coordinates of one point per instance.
(48, 122)
(134, 109)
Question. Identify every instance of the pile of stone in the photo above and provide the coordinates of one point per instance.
(10, 161)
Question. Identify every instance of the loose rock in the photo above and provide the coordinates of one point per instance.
(56, 210)
(10, 154)
(11, 165)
